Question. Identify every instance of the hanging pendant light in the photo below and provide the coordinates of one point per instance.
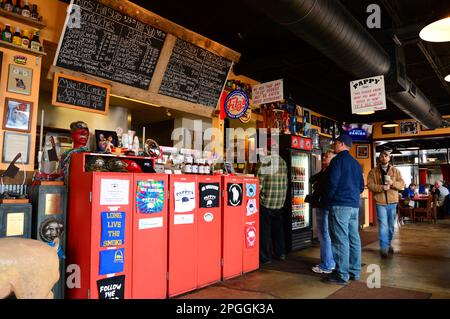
(438, 31)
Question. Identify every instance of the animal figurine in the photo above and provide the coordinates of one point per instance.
(28, 268)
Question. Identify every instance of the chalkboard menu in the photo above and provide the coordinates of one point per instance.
(194, 74)
(101, 41)
(80, 94)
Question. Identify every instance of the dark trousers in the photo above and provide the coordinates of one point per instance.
(271, 233)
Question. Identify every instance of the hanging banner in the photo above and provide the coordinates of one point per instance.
(234, 194)
(368, 95)
(111, 261)
(111, 288)
(268, 92)
(184, 197)
(209, 195)
(113, 229)
(149, 197)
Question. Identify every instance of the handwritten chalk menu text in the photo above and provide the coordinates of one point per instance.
(80, 94)
(109, 44)
(194, 74)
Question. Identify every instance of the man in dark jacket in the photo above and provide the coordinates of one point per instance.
(345, 184)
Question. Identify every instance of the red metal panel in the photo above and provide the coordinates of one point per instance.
(232, 230)
(97, 209)
(149, 276)
(182, 242)
(209, 238)
(250, 258)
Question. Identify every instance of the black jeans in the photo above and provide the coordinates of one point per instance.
(271, 232)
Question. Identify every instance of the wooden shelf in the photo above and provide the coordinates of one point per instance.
(21, 49)
(21, 19)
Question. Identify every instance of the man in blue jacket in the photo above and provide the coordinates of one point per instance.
(345, 184)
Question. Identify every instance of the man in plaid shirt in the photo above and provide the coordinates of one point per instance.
(272, 174)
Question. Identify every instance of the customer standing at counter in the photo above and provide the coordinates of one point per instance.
(385, 181)
(345, 184)
(272, 174)
(320, 186)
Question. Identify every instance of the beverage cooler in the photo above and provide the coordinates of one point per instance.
(298, 222)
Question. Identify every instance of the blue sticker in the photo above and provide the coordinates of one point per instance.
(113, 229)
(111, 261)
(250, 190)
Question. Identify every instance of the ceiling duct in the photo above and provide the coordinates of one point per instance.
(331, 29)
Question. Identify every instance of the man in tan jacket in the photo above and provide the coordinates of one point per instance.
(385, 181)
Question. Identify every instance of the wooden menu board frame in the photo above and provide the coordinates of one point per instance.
(75, 107)
(174, 32)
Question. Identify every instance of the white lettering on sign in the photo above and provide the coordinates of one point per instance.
(268, 92)
(368, 95)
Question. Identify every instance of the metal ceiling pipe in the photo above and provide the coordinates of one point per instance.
(331, 29)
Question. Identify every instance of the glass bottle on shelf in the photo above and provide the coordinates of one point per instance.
(35, 43)
(17, 8)
(207, 168)
(26, 39)
(17, 37)
(8, 6)
(188, 166)
(7, 34)
(195, 167)
(26, 12)
(34, 13)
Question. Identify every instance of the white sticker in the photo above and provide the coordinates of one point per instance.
(184, 197)
(114, 192)
(113, 208)
(155, 222)
(208, 217)
(183, 219)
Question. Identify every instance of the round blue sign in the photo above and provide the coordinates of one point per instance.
(236, 104)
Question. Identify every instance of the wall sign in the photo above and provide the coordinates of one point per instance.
(250, 236)
(234, 194)
(111, 261)
(111, 288)
(194, 74)
(251, 207)
(250, 190)
(184, 197)
(114, 191)
(109, 44)
(20, 79)
(149, 197)
(236, 104)
(368, 94)
(79, 94)
(113, 229)
(268, 92)
(209, 195)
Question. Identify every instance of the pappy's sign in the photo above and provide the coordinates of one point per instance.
(368, 95)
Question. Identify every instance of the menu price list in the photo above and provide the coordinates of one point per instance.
(111, 45)
(194, 74)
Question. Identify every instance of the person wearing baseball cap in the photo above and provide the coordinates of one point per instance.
(345, 184)
(385, 181)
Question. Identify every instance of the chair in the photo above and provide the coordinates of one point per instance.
(427, 212)
(404, 211)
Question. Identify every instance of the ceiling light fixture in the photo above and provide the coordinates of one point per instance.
(438, 31)
(390, 124)
(447, 78)
(366, 113)
(168, 113)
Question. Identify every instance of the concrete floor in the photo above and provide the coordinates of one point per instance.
(421, 263)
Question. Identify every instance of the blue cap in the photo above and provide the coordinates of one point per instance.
(346, 139)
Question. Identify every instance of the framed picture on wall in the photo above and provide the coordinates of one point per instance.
(20, 79)
(106, 140)
(362, 151)
(17, 115)
(306, 116)
(388, 130)
(14, 143)
(408, 128)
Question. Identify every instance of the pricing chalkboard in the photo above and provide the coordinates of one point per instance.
(194, 74)
(104, 42)
(80, 94)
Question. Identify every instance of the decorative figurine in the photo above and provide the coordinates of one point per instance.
(28, 268)
(80, 136)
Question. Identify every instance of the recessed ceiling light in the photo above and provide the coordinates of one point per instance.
(366, 113)
(390, 124)
(438, 31)
(447, 78)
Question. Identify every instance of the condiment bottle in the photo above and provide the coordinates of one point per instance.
(26, 12)
(26, 39)
(17, 37)
(35, 43)
(195, 167)
(17, 8)
(7, 34)
(34, 13)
